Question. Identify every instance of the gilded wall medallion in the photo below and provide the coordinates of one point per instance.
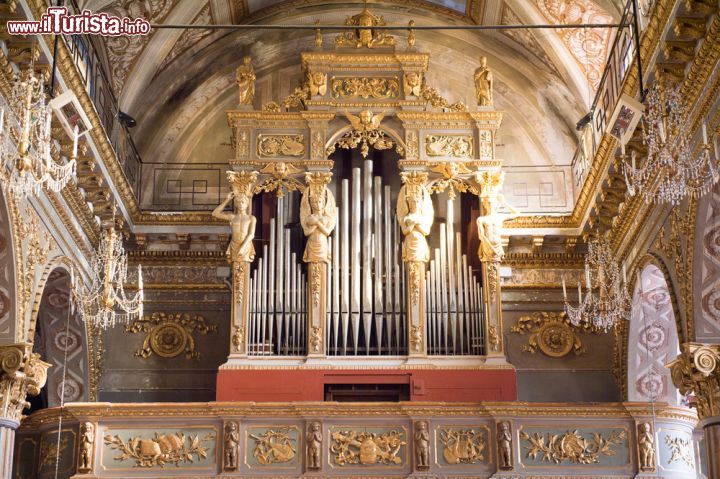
(552, 333)
(453, 146)
(272, 446)
(132, 448)
(464, 445)
(53, 451)
(378, 88)
(373, 446)
(680, 450)
(170, 335)
(273, 146)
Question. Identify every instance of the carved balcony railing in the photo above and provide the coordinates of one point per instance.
(330, 439)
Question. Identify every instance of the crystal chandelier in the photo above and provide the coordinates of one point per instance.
(27, 163)
(106, 303)
(606, 300)
(671, 172)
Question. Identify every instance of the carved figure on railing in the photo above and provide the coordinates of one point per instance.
(484, 84)
(314, 446)
(245, 77)
(415, 214)
(646, 444)
(317, 217)
(87, 443)
(241, 221)
(504, 444)
(491, 220)
(231, 440)
(422, 446)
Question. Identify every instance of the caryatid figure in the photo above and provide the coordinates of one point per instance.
(317, 217)
(646, 444)
(230, 445)
(245, 77)
(241, 221)
(415, 214)
(484, 84)
(490, 221)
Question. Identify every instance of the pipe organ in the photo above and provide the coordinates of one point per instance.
(365, 307)
(413, 294)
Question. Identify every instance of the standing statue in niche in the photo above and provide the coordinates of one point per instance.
(230, 445)
(422, 446)
(245, 77)
(484, 84)
(87, 443)
(415, 214)
(314, 446)
(317, 217)
(241, 221)
(646, 445)
(490, 221)
(504, 445)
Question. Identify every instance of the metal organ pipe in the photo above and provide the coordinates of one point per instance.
(454, 313)
(365, 271)
(277, 292)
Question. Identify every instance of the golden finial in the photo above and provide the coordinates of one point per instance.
(318, 35)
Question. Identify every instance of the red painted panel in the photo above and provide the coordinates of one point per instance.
(452, 385)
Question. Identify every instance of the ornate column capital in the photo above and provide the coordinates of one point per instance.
(23, 373)
(697, 370)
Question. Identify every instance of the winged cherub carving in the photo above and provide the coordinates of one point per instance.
(366, 121)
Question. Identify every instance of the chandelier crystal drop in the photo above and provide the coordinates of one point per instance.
(25, 142)
(105, 303)
(605, 301)
(671, 172)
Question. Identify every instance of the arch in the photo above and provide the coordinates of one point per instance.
(59, 336)
(391, 132)
(652, 337)
(8, 299)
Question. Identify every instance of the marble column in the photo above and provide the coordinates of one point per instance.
(697, 370)
(22, 374)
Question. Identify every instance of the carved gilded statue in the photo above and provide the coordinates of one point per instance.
(415, 214)
(412, 83)
(490, 221)
(87, 445)
(231, 439)
(422, 446)
(504, 446)
(241, 221)
(245, 77)
(317, 82)
(317, 217)
(646, 447)
(484, 84)
(314, 446)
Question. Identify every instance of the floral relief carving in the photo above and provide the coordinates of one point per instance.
(161, 450)
(572, 446)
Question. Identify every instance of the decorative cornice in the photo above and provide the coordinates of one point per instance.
(488, 410)
(544, 260)
(177, 258)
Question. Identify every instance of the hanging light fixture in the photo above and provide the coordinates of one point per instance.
(105, 303)
(671, 172)
(606, 300)
(25, 142)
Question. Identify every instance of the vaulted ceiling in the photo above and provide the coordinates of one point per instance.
(178, 83)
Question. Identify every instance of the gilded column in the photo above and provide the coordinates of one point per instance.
(491, 252)
(415, 214)
(22, 373)
(318, 217)
(240, 252)
(697, 370)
